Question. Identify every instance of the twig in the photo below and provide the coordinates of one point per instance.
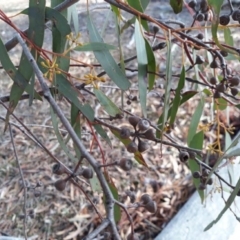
(35, 140)
(48, 96)
(23, 183)
(104, 224)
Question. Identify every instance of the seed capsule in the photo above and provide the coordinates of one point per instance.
(214, 64)
(183, 156)
(58, 169)
(132, 147)
(60, 184)
(221, 87)
(224, 53)
(149, 134)
(213, 80)
(210, 181)
(87, 173)
(133, 120)
(234, 91)
(217, 94)
(196, 174)
(151, 206)
(143, 124)
(142, 146)
(125, 133)
(234, 81)
(155, 29)
(145, 198)
(200, 36)
(126, 164)
(204, 6)
(200, 17)
(224, 20)
(199, 60)
(192, 4)
(236, 15)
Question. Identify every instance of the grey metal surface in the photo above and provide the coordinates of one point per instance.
(191, 220)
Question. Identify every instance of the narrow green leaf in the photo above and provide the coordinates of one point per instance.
(35, 33)
(221, 104)
(99, 129)
(196, 143)
(54, 3)
(106, 103)
(72, 14)
(229, 202)
(185, 97)
(195, 120)
(151, 67)
(140, 44)
(106, 60)
(216, 5)
(177, 99)
(95, 184)
(228, 37)
(117, 210)
(95, 46)
(176, 5)
(17, 77)
(59, 137)
(137, 155)
(142, 85)
(142, 66)
(67, 90)
(60, 29)
(75, 122)
(168, 83)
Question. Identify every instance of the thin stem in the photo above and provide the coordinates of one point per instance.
(104, 224)
(23, 183)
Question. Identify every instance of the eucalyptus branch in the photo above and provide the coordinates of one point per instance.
(91, 160)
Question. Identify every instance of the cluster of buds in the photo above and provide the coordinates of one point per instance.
(204, 178)
(141, 128)
(93, 79)
(52, 68)
(59, 169)
(74, 40)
